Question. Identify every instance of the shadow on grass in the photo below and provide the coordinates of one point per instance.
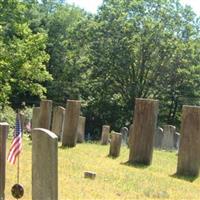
(135, 165)
(65, 147)
(185, 178)
(112, 157)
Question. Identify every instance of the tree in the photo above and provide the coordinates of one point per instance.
(23, 57)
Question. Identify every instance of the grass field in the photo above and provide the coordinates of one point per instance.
(115, 179)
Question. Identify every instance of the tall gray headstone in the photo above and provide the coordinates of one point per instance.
(124, 132)
(81, 129)
(158, 138)
(168, 138)
(45, 114)
(44, 165)
(115, 144)
(58, 121)
(35, 117)
(72, 113)
(3, 135)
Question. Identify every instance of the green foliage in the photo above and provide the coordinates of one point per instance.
(7, 114)
(23, 57)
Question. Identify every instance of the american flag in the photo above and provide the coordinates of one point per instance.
(16, 145)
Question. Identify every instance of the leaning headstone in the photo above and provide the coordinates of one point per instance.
(124, 132)
(188, 155)
(45, 114)
(44, 165)
(3, 135)
(158, 138)
(35, 117)
(81, 129)
(115, 144)
(105, 134)
(168, 138)
(145, 119)
(69, 137)
(58, 120)
(176, 140)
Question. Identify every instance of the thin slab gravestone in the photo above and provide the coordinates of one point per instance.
(81, 129)
(72, 114)
(44, 165)
(35, 117)
(124, 132)
(188, 155)
(168, 138)
(115, 144)
(158, 138)
(145, 120)
(4, 127)
(105, 134)
(45, 114)
(58, 121)
(130, 135)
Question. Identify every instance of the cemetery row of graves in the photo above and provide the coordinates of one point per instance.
(68, 126)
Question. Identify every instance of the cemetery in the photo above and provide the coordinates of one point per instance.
(51, 168)
(99, 99)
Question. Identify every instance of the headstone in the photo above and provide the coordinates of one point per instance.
(145, 119)
(188, 155)
(115, 144)
(72, 113)
(105, 134)
(44, 165)
(81, 129)
(3, 135)
(168, 138)
(58, 121)
(176, 140)
(158, 138)
(45, 114)
(35, 117)
(124, 132)
(130, 135)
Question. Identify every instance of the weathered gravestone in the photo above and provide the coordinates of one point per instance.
(81, 129)
(145, 119)
(168, 138)
(22, 120)
(58, 121)
(35, 117)
(188, 155)
(105, 134)
(124, 132)
(130, 135)
(72, 113)
(44, 165)
(115, 144)
(45, 114)
(158, 138)
(3, 135)
(176, 140)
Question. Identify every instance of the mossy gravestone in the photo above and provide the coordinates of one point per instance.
(35, 117)
(189, 150)
(44, 165)
(81, 129)
(145, 119)
(115, 144)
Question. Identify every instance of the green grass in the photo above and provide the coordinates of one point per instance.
(114, 180)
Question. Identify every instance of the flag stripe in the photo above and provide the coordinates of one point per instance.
(16, 145)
